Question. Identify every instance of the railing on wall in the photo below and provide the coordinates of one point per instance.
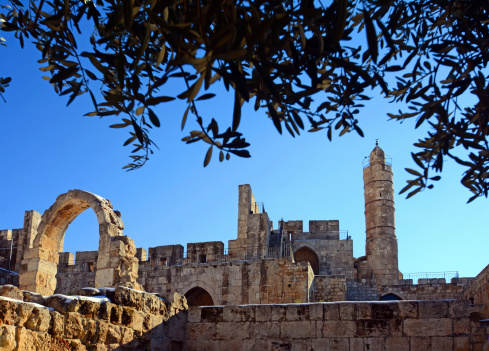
(366, 161)
(257, 207)
(426, 276)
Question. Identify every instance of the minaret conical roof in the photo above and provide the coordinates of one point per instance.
(377, 155)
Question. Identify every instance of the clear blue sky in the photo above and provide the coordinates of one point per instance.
(48, 149)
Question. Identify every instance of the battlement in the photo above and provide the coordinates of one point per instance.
(318, 230)
(83, 261)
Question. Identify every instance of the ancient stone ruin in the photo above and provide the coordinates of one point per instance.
(42, 239)
(271, 289)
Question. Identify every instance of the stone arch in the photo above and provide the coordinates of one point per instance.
(116, 263)
(390, 296)
(198, 296)
(306, 254)
(204, 286)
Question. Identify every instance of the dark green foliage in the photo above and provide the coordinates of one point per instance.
(280, 56)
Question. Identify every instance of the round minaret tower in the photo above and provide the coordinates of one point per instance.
(381, 245)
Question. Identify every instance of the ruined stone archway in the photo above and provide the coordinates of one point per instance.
(116, 263)
(306, 254)
(198, 296)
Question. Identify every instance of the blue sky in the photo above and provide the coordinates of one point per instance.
(48, 149)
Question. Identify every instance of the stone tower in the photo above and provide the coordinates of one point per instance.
(253, 225)
(381, 244)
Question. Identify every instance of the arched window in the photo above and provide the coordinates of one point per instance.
(305, 254)
(390, 297)
(198, 297)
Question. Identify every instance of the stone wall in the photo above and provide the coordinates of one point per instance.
(121, 319)
(329, 288)
(399, 326)
(429, 289)
(69, 283)
(479, 291)
(8, 248)
(361, 290)
(335, 256)
(239, 282)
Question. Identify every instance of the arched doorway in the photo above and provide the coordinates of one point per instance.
(198, 297)
(390, 297)
(40, 261)
(305, 254)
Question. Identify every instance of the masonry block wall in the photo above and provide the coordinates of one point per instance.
(400, 326)
(429, 290)
(242, 282)
(165, 255)
(479, 291)
(329, 288)
(205, 252)
(361, 290)
(334, 256)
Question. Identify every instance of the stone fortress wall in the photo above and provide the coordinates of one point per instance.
(125, 319)
(262, 265)
(345, 326)
(271, 271)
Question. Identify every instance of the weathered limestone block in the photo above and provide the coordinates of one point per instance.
(374, 328)
(73, 326)
(127, 335)
(338, 328)
(102, 330)
(114, 334)
(11, 291)
(39, 320)
(33, 297)
(331, 311)
(90, 335)
(24, 311)
(8, 311)
(300, 330)
(408, 309)
(7, 338)
(129, 297)
(239, 313)
(397, 344)
(428, 327)
(116, 314)
(60, 303)
(122, 262)
(88, 308)
(56, 327)
(233, 330)
(76, 345)
(278, 313)
(265, 330)
(178, 304)
(458, 308)
(28, 340)
(89, 292)
(433, 309)
(201, 331)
